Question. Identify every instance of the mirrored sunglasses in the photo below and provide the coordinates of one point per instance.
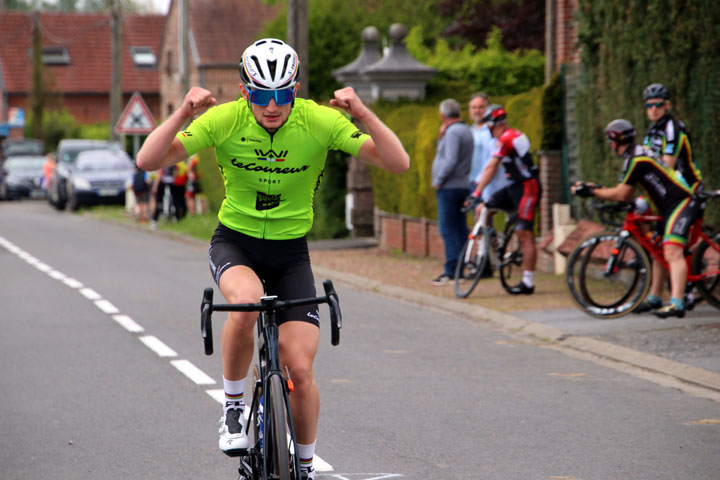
(655, 104)
(263, 97)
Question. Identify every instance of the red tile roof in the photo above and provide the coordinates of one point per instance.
(222, 29)
(86, 36)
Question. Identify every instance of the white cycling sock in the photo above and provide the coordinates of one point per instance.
(305, 454)
(528, 278)
(234, 392)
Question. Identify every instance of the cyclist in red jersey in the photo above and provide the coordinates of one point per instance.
(523, 193)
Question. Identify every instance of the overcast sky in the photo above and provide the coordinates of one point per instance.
(160, 6)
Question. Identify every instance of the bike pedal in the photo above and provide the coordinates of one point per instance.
(242, 452)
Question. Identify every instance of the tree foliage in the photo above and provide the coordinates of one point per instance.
(624, 48)
(522, 22)
(494, 69)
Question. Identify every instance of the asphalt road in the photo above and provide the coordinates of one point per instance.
(100, 321)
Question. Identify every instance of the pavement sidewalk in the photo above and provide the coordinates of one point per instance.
(685, 349)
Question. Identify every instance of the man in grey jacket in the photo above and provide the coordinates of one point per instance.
(450, 171)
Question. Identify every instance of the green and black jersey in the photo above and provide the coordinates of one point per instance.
(271, 179)
(670, 136)
(663, 187)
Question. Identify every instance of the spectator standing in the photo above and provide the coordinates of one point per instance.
(450, 178)
(48, 169)
(177, 189)
(141, 189)
(485, 146)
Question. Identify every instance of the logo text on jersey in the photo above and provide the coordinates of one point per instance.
(254, 167)
(264, 201)
(270, 155)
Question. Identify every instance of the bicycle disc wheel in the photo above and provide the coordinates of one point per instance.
(471, 263)
(510, 259)
(572, 269)
(277, 454)
(706, 260)
(614, 276)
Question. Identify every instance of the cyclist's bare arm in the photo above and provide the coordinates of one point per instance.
(619, 193)
(670, 161)
(487, 175)
(161, 148)
(383, 148)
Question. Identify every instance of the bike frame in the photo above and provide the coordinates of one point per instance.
(268, 351)
(631, 225)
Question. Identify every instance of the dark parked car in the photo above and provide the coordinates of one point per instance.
(67, 152)
(99, 176)
(21, 176)
(21, 146)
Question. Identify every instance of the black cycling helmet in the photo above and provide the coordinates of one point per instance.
(493, 115)
(620, 131)
(656, 90)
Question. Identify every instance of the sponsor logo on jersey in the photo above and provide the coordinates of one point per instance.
(186, 133)
(356, 134)
(264, 201)
(270, 155)
(254, 167)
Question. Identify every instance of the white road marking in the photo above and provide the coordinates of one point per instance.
(128, 323)
(72, 283)
(106, 306)
(89, 293)
(153, 343)
(54, 274)
(157, 346)
(192, 372)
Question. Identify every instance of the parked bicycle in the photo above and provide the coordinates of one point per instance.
(486, 248)
(271, 455)
(608, 273)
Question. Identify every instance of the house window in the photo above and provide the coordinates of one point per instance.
(55, 56)
(143, 57)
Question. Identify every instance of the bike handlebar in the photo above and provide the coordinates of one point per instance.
(269, 304)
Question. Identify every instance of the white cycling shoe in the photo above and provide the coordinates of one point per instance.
(233, 439)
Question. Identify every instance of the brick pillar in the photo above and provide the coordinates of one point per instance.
(359, 185)
(551, 182)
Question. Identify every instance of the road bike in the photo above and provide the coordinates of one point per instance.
(270, 428)
(486, 248)
(608, 274)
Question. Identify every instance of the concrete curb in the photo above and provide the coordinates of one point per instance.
(538, 331)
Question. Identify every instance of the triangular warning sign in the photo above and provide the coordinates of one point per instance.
(136, 119)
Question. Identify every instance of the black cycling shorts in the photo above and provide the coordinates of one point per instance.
(520, 197)
(282, 265)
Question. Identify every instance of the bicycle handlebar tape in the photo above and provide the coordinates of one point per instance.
(335, 315)
(205, 320)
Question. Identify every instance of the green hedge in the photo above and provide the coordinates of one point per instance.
(625, 47)
(411, 193)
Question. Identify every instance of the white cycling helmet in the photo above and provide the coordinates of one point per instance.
(269, 64)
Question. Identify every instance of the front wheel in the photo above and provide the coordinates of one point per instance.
(510, 258)
(276, 452)
(614, 275)
(472, 262)
(706, 261)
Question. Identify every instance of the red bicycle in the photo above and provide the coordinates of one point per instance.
(608, 274)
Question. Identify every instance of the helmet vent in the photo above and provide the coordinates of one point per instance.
(258, 66)
(272, 65)
(285, 65)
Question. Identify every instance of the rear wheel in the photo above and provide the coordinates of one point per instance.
(706, 260)
(614, 276)
(277, 454)
(510, 258)
(472, 262)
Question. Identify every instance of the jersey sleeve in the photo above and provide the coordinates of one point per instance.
(344, 135)
(504, 146)
(672, 145)
(205, 130)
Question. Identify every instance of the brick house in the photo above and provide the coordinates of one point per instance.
(77, 61)
(218, 32)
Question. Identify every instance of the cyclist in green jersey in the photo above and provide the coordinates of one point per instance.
(270, 147)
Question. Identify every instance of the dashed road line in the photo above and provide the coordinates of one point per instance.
(186, 367)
